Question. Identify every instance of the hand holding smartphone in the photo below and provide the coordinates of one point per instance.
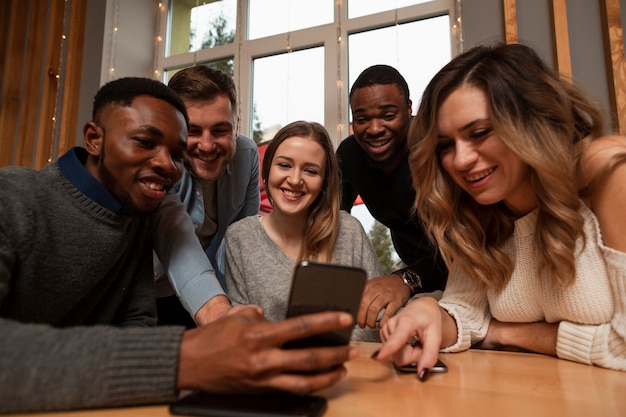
(320, 287)
(315, 288)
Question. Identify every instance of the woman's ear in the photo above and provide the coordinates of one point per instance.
(93, 137)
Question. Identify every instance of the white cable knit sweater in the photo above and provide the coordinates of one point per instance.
(591, 312)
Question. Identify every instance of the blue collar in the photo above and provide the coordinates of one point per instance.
(72, 165)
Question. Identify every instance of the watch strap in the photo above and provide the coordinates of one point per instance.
(411, 279)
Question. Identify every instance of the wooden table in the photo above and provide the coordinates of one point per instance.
(478, 383)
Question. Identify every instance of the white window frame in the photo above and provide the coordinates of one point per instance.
(332, 36)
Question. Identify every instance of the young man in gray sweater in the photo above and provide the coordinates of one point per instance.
(77, 298)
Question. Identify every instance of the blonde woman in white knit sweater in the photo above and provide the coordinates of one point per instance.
(526, 202)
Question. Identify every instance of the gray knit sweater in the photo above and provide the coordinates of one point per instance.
(259, 272)
(76, 301)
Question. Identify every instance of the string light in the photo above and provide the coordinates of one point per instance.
(116, 12)
(54, 142)
(339, 11)
(237, 60)
(158, 40)
(457, 28)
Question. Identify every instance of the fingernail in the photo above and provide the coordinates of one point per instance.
(424, 374)
(375, 354)
(354, 353)
(346, 319)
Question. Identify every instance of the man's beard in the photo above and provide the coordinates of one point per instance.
(190, 166)
(223, 165)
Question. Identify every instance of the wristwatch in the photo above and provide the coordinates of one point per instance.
(411, 279)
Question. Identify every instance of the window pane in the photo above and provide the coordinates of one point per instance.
(358, 8)
(286, 88)
(271, 17)
(418, 50)
(209, 24)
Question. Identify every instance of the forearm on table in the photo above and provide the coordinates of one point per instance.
(539, 337)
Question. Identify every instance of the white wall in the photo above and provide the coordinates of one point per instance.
(129, 50)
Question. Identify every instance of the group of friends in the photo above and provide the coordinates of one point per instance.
(503, 191)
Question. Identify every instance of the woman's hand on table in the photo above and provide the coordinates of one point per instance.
(414, 336)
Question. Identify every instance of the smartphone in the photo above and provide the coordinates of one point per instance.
(439, 367)
(249, 405)
(319, 287)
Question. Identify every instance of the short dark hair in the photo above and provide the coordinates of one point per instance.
(201, 82)
(381, 75)
(124, 90)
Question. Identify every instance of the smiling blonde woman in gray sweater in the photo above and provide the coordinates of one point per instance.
(301, 178)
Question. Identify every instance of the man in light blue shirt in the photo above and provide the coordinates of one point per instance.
(220, 185)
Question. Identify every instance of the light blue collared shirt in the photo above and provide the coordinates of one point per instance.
(176, 244)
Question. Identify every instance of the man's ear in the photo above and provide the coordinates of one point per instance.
(93, 137)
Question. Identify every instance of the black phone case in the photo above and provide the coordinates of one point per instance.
(249, 405)
(319, 287)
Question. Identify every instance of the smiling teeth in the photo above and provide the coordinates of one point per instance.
(155, 186)
(479, 176)
(378, 143)
(209, 158)
(292, 194)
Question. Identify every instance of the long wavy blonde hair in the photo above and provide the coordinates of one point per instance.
(543, 119)
(322, 225)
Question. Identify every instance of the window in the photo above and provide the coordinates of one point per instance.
(295, 59)
(195, 25)
(397, 46)
(287, 87)
(357, 8)
(271, 17)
